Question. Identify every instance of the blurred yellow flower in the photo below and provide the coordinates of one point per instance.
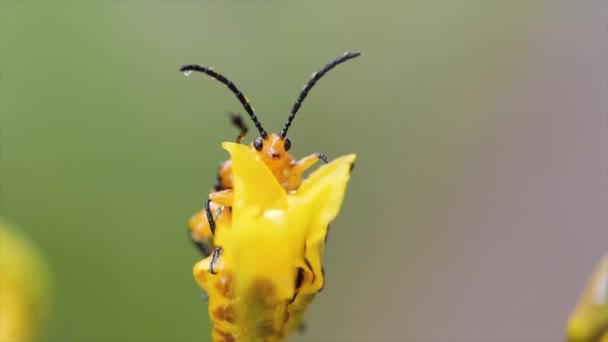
(589, 320)
(270, 268)
(23, 287)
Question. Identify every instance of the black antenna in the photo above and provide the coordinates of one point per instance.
(315, 77)
(187, 69)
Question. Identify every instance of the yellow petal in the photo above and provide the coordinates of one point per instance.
(324, 189)
(589, 321)
(315, 204)
(254, 184)
(24, 286)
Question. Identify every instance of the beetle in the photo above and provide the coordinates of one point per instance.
(272, 149)
(270, 268)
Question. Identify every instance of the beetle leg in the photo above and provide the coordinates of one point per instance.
(223, 198)
(210, 216)
(323, 157)
(203, 247)
(238, 122)
(216, 255)
(307, 162)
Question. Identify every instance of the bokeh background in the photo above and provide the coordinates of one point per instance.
(475, 213)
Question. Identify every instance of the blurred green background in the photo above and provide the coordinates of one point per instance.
(476, 211)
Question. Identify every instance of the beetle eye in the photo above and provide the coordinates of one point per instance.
(258, 143)
(287, 144)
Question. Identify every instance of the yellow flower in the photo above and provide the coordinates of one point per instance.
(270, 266)
(589, 320)
(24, 293)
